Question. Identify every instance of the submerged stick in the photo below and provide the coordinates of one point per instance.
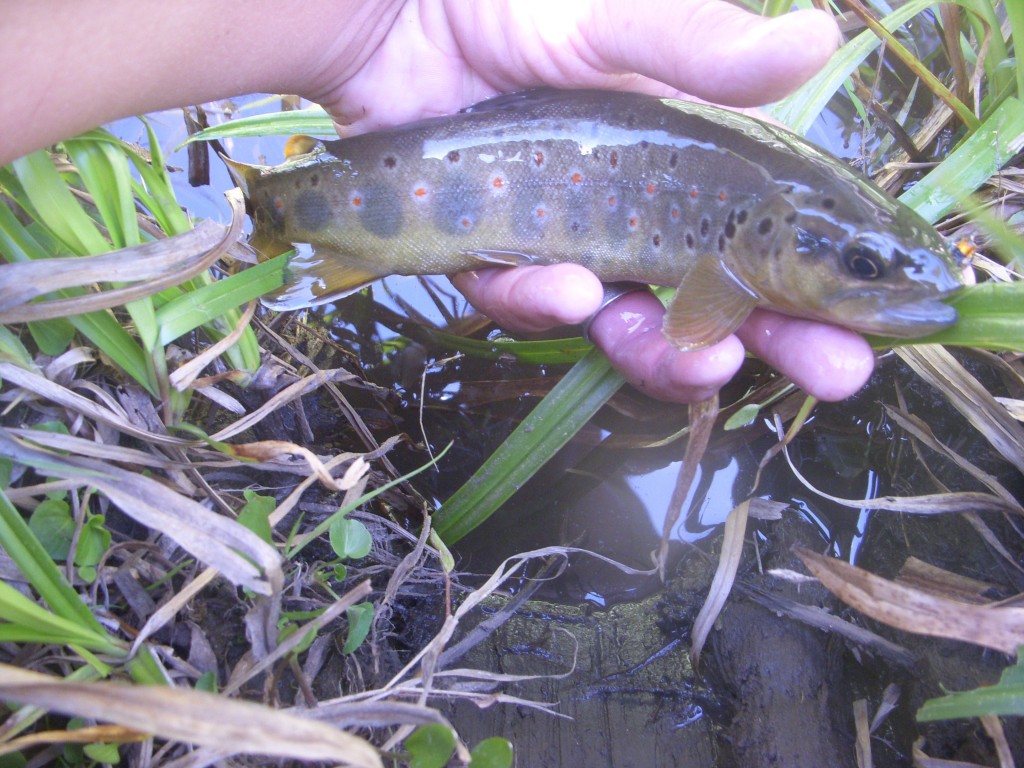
(702, 420)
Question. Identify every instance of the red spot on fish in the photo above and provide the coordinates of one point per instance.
(611, 201)
(465, 223)
(453, 156)
(420, 191)
(634, 222)
(498, 182)
(356, 200)
(650, 188)
(613, 159)
(694, 193)
(278, 203)
(675, 213)
(538, 158)
(541, 212)
(722, 196)
(576, 178)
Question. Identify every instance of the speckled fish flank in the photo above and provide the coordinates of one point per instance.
(733, 212)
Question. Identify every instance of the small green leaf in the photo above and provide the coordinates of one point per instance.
(350, 539)
(430, 746)
(53, 526)
(360, 619)
(494, 752)
(53, 336)
(207, 682)
(93, 543)
(743, 416)
(104, 753)
(254, 515)
(13, 760)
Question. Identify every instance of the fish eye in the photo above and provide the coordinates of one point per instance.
(863, 262)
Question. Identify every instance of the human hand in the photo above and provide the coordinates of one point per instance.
(462, 51)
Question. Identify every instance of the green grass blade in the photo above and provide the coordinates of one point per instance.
(53, 205)
(1015, 14)
(23, 621)
(28, 554)
(991, 317)
(558, 417)
(971, 164)
(1004, 698)
(203, 305)
(105, 174)
(801, 109)
(18, 244)
(313, 121)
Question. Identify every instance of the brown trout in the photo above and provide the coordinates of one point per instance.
(733, 212)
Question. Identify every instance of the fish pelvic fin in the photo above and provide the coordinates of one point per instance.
(311, 279)
(709, 305)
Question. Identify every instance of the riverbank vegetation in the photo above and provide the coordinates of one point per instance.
(184, 545)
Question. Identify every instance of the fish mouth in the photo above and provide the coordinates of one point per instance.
(903, 319)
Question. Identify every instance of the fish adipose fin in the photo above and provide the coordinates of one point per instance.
(319, 278)
(709, 305)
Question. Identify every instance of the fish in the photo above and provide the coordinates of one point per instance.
(732, 211)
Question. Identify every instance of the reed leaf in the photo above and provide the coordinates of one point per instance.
(975, 161)
(314, 120)
(558, 417)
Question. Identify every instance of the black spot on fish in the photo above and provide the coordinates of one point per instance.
(764, 226)
(656, 240)
(730, 229)
(705, 227)
(454, 156)
(790, 218)
(390, 161)
(673, 160)
(298, 183)
(689, 240)
(381, 211)
(575, 227)
(312, 211)
(741, 217)
(644, 144)
(314, 180)
(828, 203)
(721, 243)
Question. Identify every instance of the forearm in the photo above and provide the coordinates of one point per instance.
(67, 66)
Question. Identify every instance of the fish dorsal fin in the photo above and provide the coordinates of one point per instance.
(709, 305)
(514, 101)
(318, 278)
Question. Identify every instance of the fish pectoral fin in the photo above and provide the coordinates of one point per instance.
(313, 279)
(492, 258)
(708, 306)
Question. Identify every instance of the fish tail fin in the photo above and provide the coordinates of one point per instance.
(242, 174)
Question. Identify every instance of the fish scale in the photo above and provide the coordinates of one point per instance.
(733, 212)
